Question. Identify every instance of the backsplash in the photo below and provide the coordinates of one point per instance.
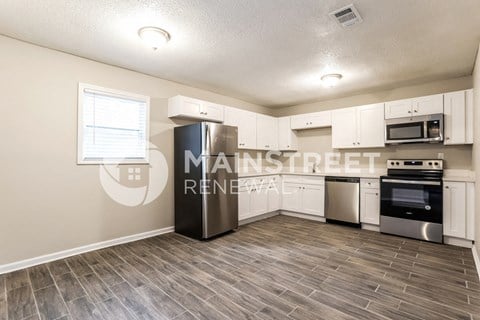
(319, 141)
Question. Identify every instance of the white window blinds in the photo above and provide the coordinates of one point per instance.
(114, 127)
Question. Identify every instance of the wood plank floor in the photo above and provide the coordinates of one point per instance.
(278, 268)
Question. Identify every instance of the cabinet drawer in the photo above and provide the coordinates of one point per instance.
(370, 183)
(313, 180)
(292, 179)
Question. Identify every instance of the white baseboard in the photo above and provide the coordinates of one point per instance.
(457, 242)
(257, 218)
(5, 268)
(370, 227)
(303, 216)
(476, 258)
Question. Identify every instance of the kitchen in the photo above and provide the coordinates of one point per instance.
(89, 231)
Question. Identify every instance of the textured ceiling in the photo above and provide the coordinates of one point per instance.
(269, 52)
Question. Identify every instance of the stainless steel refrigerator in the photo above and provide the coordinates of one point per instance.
(206, 199)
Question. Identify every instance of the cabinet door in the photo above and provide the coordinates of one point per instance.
(259, 198)
(454, 117)
(292, 197)
(267, 132)
(313, 200)
(247, 133)
(469, 116)
(470, 211)
(427, 105)
(398, 109)
(287, 138)
(454, 209)
(370, 206)
(244, 206)
(371, 125)
(344, 128)
(212, 111)
(274, 199)
(320, 119)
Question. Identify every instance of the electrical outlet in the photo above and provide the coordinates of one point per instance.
(440, 155)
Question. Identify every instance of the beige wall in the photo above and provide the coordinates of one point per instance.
(319, 140)
(380, 96)
(49, 203)
(476, 148)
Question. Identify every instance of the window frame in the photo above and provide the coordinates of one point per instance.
(114, 93)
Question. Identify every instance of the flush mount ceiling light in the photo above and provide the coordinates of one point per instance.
(153, 36)
(331, 80)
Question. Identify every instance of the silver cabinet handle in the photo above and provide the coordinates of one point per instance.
(409, 111)
(415, 110)
(447, 187)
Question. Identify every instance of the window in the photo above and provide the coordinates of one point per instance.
(112, 126)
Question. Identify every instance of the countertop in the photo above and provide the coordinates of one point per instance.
(448, 174)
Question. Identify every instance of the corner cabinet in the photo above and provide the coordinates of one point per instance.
(414, 107)
(458, 117)
(191, 108)
(358, 127)
(459, 209)
(257, 196)
(287, 138)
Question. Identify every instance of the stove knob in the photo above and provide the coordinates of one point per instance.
(436, 163)
(398, 163)
(430, 163)
(392, 163)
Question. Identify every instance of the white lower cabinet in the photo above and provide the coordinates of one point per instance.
(313, 200)
(370, 201)
(458, 209)
(305, 195)
(257, 196)
(291, 197)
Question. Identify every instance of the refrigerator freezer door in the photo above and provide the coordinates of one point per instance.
(219, 139)
(220, 199)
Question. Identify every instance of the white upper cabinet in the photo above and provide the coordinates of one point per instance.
(358, 127)
(423, 106)
(458, 117)
(190, 108)
(247, 130)
(287, 138)
(414, 107)
(371, 125)
(311, 120)
(267, 132)
(398, 109)
(344, 128)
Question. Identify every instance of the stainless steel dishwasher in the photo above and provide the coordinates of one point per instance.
(342, 200)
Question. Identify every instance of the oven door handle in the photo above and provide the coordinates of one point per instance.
(430, 183)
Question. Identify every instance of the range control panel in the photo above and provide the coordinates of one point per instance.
(429, 164)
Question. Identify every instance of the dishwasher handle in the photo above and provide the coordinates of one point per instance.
(343, 179)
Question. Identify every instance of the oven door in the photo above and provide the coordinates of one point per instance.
(414, 199)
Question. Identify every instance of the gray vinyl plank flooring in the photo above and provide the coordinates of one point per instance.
(278, 268)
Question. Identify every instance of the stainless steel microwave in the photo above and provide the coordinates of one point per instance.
(414, 129)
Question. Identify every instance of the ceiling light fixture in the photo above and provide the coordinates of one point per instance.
(153, 36)
(331, 80)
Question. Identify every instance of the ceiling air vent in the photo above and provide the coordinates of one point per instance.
(346, 16)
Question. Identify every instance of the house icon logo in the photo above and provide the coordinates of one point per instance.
(136, 184)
